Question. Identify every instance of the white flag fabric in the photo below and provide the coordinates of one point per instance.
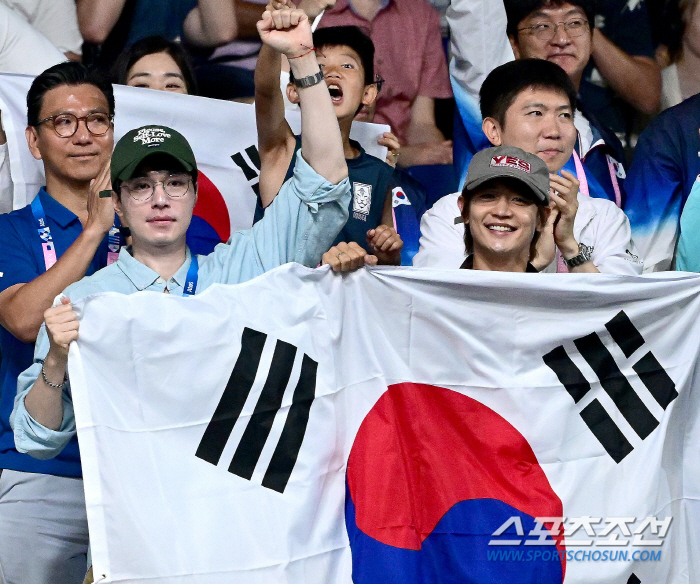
(393, 425)
(222, 134)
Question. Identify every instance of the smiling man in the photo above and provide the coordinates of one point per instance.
(529, 104)
(504, 206)
(44, 247)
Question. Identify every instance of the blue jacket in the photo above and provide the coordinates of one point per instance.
(663, 189)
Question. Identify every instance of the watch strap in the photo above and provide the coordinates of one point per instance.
(309, 80)
(585, 253)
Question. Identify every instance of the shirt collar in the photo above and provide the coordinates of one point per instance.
(52, 208)
(181, 275)
(142, 276)
(468, 264)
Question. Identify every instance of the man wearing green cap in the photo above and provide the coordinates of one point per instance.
(153, 173)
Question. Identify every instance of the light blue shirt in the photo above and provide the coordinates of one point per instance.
(299, 226)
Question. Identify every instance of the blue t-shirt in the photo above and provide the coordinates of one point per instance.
(370, 181)
(22, 260)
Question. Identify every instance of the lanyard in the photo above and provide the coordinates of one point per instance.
(583, 187)
(191, 280)
(613, 180)
(47, 245)
(113, 245)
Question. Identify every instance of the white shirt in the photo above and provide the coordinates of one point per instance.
(5, 180)
(57, 20)
(585, 133)
(599, 223)
(22, 48)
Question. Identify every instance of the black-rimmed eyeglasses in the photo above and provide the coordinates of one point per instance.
(65, 125)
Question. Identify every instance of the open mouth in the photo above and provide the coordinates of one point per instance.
(501, 228)
(336, 92)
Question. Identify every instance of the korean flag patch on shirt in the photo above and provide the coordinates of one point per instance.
(361, 200)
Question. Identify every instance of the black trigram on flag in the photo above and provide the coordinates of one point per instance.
(269, 403)
(252, 174)
(615, 384)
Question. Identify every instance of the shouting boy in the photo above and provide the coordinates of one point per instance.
(346, 57)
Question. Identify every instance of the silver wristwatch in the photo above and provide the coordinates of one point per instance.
(309, 80)
(584, 255)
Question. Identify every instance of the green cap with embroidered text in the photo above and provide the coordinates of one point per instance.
(135, 146)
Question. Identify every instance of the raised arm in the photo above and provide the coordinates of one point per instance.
(22, 305)
(276, 140)
(478, 42)
(96, 18)
(211, 23)
(635, 78)
(289, 32)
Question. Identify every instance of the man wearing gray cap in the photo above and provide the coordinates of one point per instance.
(505, 207)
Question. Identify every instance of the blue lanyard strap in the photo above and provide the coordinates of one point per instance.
(44, 231)
(47, 245)
(192, 275)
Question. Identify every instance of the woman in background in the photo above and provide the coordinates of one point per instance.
(155, 63)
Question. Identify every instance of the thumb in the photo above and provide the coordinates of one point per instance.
(371, 260)
(65, 300)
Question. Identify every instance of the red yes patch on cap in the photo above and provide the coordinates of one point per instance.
(512, 162)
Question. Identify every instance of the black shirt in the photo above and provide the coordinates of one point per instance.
(469, 265)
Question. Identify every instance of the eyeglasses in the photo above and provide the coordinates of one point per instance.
(142, 189)
(98, 124)
(545, 31)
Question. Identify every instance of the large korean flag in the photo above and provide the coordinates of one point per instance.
(222, 134)
(408, 426)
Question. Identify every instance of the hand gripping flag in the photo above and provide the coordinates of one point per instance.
(409, 426)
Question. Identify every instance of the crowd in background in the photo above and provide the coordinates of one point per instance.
(599, 100)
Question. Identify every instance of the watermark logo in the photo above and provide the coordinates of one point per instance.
(604, 532)
(582, 532)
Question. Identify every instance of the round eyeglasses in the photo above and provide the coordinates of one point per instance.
(142, 189)
(65, 125)
(545, 31)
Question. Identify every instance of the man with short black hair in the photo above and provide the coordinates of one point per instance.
(559, 31)
(153, 171)
(505, 206)
(67, 232)
(529, 104)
